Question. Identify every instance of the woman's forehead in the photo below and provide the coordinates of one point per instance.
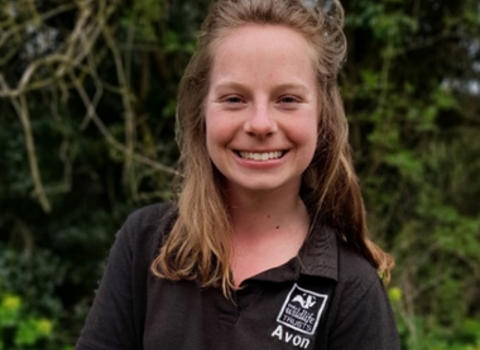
(263, 51)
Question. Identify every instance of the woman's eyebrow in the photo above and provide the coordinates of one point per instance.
(293, 86)
(229, 84)
(239, 86)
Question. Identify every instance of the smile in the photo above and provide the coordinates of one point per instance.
(261, 157)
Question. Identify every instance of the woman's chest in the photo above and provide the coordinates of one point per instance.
(264, 316)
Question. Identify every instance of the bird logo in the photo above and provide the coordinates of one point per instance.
(307, 302)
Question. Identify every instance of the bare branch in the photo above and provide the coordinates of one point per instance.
(111, 139)
(21, 108)
(64, 71)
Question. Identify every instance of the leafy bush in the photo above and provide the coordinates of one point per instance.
(30, 313)
(418, 333)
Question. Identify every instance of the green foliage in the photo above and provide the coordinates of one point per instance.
(415, 128)
(21, 329)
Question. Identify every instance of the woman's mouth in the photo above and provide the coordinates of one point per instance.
(261, 156)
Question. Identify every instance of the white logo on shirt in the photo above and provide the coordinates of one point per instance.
(305, 303)
(302, 310)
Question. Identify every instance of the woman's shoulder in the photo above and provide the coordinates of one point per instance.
(151, 215)
(357, 279)
(362, 312)
(359, 286)
(145, 227)
(354, 268)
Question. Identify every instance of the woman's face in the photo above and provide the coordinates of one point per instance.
(262, 108)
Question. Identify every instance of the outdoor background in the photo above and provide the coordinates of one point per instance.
(87, 103)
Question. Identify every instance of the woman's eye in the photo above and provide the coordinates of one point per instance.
(233, 99)
(289, 99)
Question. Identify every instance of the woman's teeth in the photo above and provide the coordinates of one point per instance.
(261, 156)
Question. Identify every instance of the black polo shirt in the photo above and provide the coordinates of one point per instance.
(328, 297)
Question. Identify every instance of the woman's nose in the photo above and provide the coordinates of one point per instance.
(260, 122)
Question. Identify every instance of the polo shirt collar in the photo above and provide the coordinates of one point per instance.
(317, 257)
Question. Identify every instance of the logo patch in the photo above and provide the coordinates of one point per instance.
(302, 310)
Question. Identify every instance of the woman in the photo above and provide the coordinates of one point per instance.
(266, 246)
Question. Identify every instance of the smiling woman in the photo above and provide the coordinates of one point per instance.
(266, 244)
(261, 112)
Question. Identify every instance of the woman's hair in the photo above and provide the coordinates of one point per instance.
(198, 246)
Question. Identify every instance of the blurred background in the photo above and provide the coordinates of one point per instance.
(87, 104)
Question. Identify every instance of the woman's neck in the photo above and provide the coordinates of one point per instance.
(269, 229)
(254, 215)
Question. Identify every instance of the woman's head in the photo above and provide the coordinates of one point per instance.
(324, 36)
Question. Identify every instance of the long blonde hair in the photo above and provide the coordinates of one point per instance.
(198, 247)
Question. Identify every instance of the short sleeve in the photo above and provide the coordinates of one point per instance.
(365, 321)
